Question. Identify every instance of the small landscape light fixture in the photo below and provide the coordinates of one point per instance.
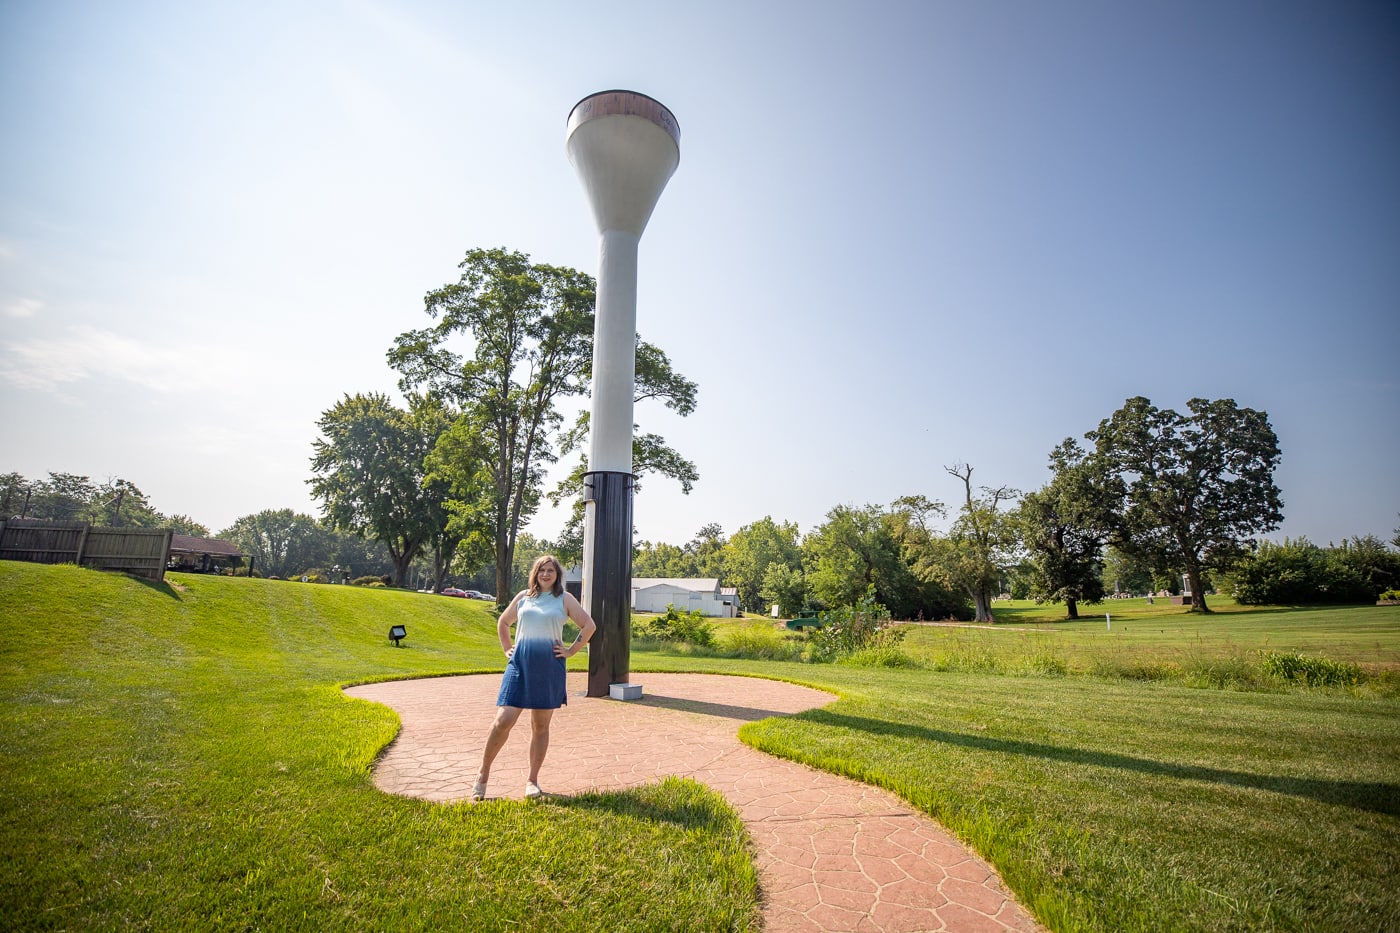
(396, 632)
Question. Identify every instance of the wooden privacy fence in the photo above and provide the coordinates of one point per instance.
(139, 551)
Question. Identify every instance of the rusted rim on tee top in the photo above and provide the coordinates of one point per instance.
(624, 103)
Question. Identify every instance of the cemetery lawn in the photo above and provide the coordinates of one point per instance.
(1135, 637)
(181, 755)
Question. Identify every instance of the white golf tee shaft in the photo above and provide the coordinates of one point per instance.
(614, 354)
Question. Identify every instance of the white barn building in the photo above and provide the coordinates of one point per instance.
(700, 594)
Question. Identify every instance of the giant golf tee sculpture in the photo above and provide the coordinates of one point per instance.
(625, 147)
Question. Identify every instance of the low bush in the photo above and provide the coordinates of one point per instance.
(1047, 662)
(1234, 672)
(968, 659)
(887, 656)
(1298, 572)
(849, 629)
(760, 643)
(1310, 671)
(677, 625)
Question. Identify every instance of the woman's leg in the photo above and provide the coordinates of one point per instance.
(496, 739)
(539, 741)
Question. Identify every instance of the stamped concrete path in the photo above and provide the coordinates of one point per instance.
(833, 854)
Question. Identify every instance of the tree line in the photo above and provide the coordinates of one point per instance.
(1151, 499)
(68, 497)
(1158, 501)
(278, 541)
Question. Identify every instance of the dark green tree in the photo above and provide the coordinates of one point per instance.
(1125, 573)
(787, 587)
(1064, 527)
(924, 551)
(664, 561)
(14, 490)
(280, 542)
(849, 553)
(185, 525)
(65, 497)
(530, 333)
(371, 466)
(980, 545)
(856, 549)
(752, 550)
(1191, 491)
(708, 545)
(1366, 565)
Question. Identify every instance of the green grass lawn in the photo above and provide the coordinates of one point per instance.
(1137, 636)
(176, 756)
(182, 757)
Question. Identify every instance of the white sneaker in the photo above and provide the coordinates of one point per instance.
(532, 790)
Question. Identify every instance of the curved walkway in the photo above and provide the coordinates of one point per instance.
(833, 854)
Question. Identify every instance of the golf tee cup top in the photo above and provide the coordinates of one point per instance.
(625, 146)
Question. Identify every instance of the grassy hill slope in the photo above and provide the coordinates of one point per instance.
(181, 756)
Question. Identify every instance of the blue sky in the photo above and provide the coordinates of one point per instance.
(902, 235)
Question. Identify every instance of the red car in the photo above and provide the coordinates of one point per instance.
(453, 591)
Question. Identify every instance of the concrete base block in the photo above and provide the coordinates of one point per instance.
(625, 691)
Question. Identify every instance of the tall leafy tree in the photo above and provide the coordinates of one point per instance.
(185, 525)
(1064, 528)
(1366, 560)
(530, 333)
(925, 552)
(752, 551)
(1126, 573)
(859, 548)
(458, 477)
(120, 503)
(981, 542)
(786, 586)
(14, 489)
(708, 545)
(65, 497)
(850, 552)
(370, 466)
(1191, 491)
(664, 561)
(280, 542)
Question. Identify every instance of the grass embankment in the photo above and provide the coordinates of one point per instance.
(184, 757)
(1131, 639)
(181, 757)
(1359, 646)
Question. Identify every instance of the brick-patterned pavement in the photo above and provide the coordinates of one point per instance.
(833, 854)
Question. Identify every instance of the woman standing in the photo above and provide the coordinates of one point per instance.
(535, 666)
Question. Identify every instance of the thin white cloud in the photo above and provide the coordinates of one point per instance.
(86, 352)
(22, 307)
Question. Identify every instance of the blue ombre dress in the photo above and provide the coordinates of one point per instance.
(534, 677)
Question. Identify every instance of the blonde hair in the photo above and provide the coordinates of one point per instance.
(534, 578)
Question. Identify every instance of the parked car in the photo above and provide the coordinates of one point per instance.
(486, 596)
(453, 591)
